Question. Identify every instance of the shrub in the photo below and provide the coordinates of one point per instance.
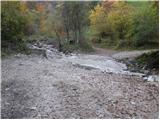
(150, 59)
(12, 25)
(144, 28)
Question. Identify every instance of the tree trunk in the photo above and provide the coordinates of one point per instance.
(59, 41)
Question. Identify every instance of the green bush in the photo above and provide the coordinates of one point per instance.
(144, 28)
(150, 59)
(12, 26)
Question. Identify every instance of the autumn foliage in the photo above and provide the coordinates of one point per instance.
(124, 24)
(119, 24)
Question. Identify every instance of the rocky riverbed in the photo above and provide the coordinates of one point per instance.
(54, 85)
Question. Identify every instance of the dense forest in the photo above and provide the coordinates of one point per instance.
(75, 25)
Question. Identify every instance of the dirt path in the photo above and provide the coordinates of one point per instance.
(120, 54)
(102, 51)
(36, 87)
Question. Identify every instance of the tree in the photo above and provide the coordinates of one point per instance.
(74, 19)
(40, 7)
(119, 18)
(13, 24)
(99, 20)
(144, 27)
(30, 15)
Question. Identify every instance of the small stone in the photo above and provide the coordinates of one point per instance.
(153, 78)
(145, 71)
(6, 103)
(145, 78)
(101, 115)
(150, 79)
(18, 55)
(133, 103)
(39, 115)
(20, 64)
(33, 108)
(7, 89)
(144, 67)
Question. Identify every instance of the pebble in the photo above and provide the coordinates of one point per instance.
(145, 78)
(33, 108)
(7, 89)
(153, 78)
(133, 103)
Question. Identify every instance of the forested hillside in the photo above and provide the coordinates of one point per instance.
(125, 24)
(74, 25)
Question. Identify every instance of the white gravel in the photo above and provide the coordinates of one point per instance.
(36, 87)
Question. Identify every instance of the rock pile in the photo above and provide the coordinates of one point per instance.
(47, 51)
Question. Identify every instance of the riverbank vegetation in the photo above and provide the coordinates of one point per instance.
(125, 24)
(79, 25)
(149, 60)
(147, 63)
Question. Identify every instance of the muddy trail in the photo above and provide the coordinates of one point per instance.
(75, 86)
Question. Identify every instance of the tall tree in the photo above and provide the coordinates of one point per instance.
(13, 23)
